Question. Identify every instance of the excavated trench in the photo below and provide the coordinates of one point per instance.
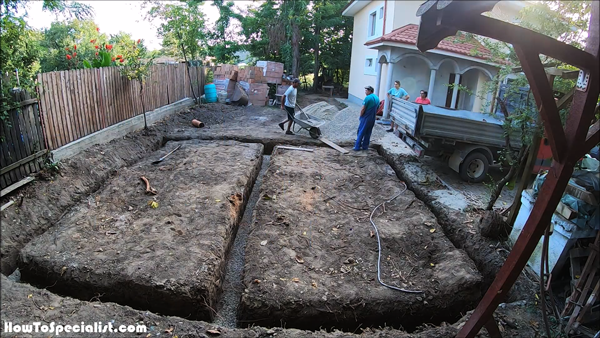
(73, 274)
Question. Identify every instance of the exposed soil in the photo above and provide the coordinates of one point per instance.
(42, 203)
(23, 304)
(167, 258)
(461, 226)
(311, 259)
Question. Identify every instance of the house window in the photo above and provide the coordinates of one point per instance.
(381, 13)
(372, 23)
(370, 66)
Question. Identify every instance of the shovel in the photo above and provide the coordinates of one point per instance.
(162, 158)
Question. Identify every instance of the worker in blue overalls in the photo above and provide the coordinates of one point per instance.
(367, 119)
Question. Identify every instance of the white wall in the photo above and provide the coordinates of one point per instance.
(440, 88)
(413, 74)
(405, 12)
(359, 75)
(469, 80)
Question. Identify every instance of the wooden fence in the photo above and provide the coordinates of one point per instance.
(22, 147)
(77, 103)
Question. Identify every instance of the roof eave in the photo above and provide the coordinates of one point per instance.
(353, 7)
(378, 44)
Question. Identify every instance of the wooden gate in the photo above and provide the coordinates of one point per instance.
(22, 142)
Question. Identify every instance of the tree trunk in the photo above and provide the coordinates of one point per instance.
(492, 225)
(509, 176)
(143, 106)
(295, 49)
(317, 66)
(187, 67)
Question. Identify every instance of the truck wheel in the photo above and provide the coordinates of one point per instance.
(474, 168)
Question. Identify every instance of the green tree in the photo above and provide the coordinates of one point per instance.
(221, 44)
(19, 50)
(565, 21)
(138, 63)
(182, 28)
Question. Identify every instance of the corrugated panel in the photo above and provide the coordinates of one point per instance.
(405, 114)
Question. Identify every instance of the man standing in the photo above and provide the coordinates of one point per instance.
(396, 92)
(423, 98)
(367, 119)
(289, 102)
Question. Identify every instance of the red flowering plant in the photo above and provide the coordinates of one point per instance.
(102, 57)
(73, 61)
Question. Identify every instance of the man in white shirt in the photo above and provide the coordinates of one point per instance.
(289, 102)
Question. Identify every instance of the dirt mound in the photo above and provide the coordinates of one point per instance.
(311, 259)
(163, 252)
(23, 304)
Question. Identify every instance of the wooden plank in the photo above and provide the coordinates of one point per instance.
(15, 132)
(95, 97)
(24, 136)
(23, 103)
(6, 154)
(65, 109)
(23, 161)
(587, 268)
(73, 95)
(87, 104)
(83, 113)
(39, 137)
(30, 137)
(333, 145)
(590, 302)
(43, 106)
(51, 111)
(11, 202)
(59, 121)
(15, 186)
(108, 102)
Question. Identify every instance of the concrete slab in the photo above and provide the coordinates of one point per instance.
(167, 257)
(311, 258)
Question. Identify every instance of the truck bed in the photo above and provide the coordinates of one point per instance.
(426, 121)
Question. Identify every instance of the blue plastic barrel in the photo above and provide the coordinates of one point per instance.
(210, 93)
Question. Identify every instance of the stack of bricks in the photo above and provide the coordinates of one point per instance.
(272, 71)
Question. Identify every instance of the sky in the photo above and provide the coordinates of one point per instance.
(114, 16)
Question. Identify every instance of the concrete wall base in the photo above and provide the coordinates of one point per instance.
(119, 130)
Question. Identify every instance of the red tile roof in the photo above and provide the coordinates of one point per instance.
(408, 34)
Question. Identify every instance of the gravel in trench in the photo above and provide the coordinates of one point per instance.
(233, 285)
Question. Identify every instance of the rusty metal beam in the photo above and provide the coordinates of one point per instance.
(547, 201)
(542, 91)
(592, 139)
(516, 35)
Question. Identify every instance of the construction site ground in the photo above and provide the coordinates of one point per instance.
(308, 256)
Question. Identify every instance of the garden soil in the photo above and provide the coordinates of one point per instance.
(164, 252)
(24, 304)
(311, 257)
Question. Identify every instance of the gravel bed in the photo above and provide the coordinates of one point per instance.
(344, 125)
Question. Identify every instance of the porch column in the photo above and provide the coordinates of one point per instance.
(378, 78)
(431, 84)
(455, 90)
(388, 85)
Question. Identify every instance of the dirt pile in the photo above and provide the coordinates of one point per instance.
(163, 252)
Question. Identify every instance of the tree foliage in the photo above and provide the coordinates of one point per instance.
(182, 28)
(20, 48)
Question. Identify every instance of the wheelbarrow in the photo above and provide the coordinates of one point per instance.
(307, 122)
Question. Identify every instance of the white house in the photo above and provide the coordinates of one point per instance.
(384, 50)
